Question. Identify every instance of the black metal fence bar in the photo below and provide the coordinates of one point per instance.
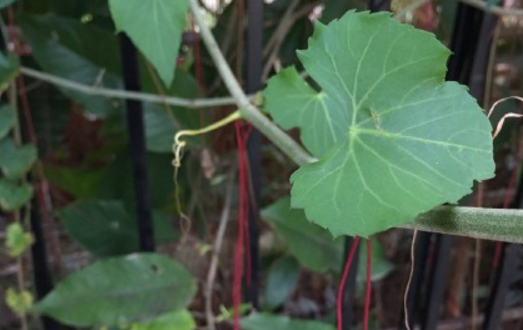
(137, 146)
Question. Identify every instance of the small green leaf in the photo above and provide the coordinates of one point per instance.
(17, 241)
(181, 320)
(105, 228)
(393, 139)
(19, 301)
(155, 27)
(13, 196)
(263, 321)
(5, 3)
(8, 70)
(312, 245)
(15, 162)
(120, 291)
(281, 282)
(7, 120)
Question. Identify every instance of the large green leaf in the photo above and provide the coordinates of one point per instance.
(310, 244)
(155, 27)
(13, 196)
(393, 139)
(7, 120)
(105, 228)
(264, 321)
(14, 161)
(78, 52)
(119, 291)
(181, 320)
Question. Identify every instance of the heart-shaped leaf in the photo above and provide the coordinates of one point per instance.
(155, 27)
(118, 291)
(13, 196)
(393, 139)
(14, 161)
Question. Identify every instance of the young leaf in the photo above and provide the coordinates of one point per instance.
(181, 320)
(7, 120)
(393, 139)
(14, 161)
(12, 196)
(119, 291)
(19, 302)
(17, 241)
(155, 27)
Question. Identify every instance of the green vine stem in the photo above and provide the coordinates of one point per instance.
(120, 94)
(482, 223)
(248, 111)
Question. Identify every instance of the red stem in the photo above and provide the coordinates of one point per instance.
(343, 280)
(368, 286)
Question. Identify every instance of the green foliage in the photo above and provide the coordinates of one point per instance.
(380, 266)
(79, 52)
(8, 70)
(7, 120)
(262, 321)
(181, 320)
(19, 301)
(393, 140)
(17, 241)
(120, 291)
(281, 281)
(310, 244)
(15, 162)
(14, 196)
(5, 3)
(105, 228)
(155, 27)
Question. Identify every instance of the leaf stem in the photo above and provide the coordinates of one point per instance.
(248, 111)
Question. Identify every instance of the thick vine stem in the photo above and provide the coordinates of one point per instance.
(504, 225)
(248, 111)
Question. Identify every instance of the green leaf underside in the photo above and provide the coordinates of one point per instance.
(393, 140)
(119, 291)
(155, 27)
